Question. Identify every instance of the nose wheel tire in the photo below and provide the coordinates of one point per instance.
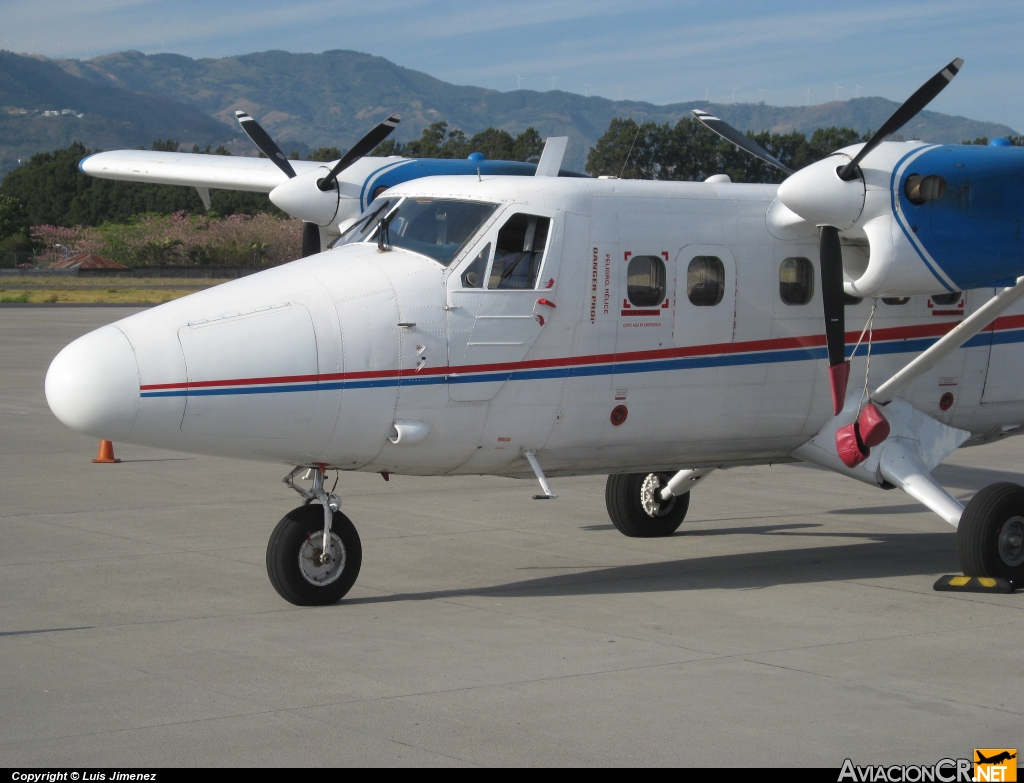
(299, 568)
(636, 508)
(990, 537)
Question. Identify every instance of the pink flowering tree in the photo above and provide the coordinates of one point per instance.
(179, 239)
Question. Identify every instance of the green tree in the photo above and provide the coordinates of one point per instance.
(325, 154)
(387, 148)
(54, 192)
(527, 146)
(689, 151)
(13, 219)
(494, 144)
(437, 141)
(14, 227)
(1015, 141)
(613, 155)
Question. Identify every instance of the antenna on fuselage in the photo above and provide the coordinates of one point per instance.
(637, 136)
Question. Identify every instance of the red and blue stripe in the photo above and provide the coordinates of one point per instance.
(902, 339)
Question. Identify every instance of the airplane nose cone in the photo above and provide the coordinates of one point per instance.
(93, 384)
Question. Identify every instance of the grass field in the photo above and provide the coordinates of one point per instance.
(73, 290)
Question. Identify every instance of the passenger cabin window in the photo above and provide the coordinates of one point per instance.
(947, 299)
(921, 190)
(705, 281)
(473, 277)
(895, 300)
(796, 281)
(519, 252)
(645, 281)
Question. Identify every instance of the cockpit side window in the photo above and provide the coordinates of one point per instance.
(473, 277)
(519, 252)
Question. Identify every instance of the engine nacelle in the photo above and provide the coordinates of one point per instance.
(937, 218)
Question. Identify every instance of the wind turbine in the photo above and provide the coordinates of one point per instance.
(552, 82)
(620, 92)
(707, 92)
(519, 82)
(734, 95)
(760, 96)
(838, 88)
(808, 97)
(586, 90)
(859, 88)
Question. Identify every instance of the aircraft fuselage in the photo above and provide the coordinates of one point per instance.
(318, 360)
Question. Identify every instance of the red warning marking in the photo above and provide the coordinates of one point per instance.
(641, 312)
(664, 254)
(627, 255)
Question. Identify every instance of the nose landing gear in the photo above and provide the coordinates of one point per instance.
(314, 553)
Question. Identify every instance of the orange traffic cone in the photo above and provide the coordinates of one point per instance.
(106, 453)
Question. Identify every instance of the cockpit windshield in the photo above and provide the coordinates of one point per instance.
(438, 228)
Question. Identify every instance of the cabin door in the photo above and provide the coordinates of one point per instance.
(496, 302)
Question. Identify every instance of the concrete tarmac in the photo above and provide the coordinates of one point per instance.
(790, 621)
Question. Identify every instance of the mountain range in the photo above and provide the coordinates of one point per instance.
(307, 101)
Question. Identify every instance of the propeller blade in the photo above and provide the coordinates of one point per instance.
(831, 258)
(741, 140)
(265, 144)
(310, 239)
(359, 149)
(904, 114)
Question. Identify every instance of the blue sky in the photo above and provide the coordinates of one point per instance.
(640, 49)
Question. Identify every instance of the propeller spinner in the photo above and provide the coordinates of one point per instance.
(831, 195)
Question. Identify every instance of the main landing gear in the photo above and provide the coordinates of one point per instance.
(990, 537)
(649, 505)
(314, 553)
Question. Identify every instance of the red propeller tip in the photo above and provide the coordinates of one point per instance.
(839, 377)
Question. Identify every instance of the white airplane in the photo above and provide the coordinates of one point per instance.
(653, 331)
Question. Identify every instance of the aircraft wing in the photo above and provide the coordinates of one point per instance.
(220, 172)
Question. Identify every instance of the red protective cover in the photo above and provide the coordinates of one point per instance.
(839, 376)
(872, 426)
(851, 448)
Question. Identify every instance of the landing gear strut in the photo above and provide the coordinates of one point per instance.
(314, 553)
(990, 537)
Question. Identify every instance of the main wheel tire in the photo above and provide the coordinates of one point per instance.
(295, 563)
(990, 537)
(636, 510)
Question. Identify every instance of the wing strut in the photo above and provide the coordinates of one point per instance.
(960, 334)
